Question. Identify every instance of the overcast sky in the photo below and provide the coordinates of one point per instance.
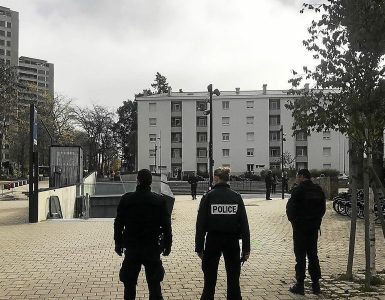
(106, 51)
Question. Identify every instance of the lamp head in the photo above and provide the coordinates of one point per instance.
(210, 88)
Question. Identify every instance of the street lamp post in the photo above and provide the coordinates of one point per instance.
(282, 175)
(210, 111)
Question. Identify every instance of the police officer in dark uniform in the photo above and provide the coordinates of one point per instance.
(269, 184)
(143, 228)
(193, 181)
(222, 219)
(305, 210)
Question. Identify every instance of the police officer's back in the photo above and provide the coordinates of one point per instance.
(142, 218)
(305, 210)
(221, 222)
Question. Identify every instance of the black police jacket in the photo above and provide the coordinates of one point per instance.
(193, 181)
(142, 217)
(306, 206)
(222, 210)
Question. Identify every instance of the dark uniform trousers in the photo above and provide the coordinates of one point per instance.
(216, 244)
(193, 191)
(305, 244)
(149, 257)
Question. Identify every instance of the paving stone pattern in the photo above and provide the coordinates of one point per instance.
(76, 259)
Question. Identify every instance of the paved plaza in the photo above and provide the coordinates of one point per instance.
(76, 259)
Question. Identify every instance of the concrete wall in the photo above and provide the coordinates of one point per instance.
(89, 185)
(67, 196)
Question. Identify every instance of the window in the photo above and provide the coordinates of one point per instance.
(6, 146)
(250, 168)
(176, 152)
(250, 151)
(274, 120)
(249, 120)
(225, 120)
(201, 121)
(176, 137)
(250, 136)
(9, 24)
(249, 104)
(152, 107)
(326, 135)
(41, 72)
(152, 121)
(176, 122)
(275, 151)
(9, 34)
(2, 23)
(274, 104)
(8, 53)
(201, 105)
(225, 105)
(2, 51)
(225, 136)
(2, 42)
(225, 152)
(152, 137)
(327, 151)
(327, 166)
(301, 165)
(176, 106)
(275, 135)
(152, 169)
(152, 152)
(8, 43)
(301, 151)
(202, 152)
(301, 136)
(202, 137)
(275, 165)
(2, 33)
(202, 168)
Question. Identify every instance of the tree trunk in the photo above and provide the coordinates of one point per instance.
(367, 225)
(379, 188)
(372, 234)
(378, 158)
(353, 162)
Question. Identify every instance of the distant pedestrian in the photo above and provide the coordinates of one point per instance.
(221, 222)
(193, 181)
(142, 220)
(285, 182)
(268, 181)
(274, 184)
(305, 210)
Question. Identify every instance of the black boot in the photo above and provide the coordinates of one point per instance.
(298, 288)
(316, 288)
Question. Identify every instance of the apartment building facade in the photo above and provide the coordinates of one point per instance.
(246, 134)
(38, 76)
(9, 36)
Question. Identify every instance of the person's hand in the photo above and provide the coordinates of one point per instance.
(118, 250)
(245, 256)
(166, 251)
(200, 254)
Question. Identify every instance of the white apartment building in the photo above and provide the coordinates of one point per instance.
(38, 75)
(246, 133)
(9, 36)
